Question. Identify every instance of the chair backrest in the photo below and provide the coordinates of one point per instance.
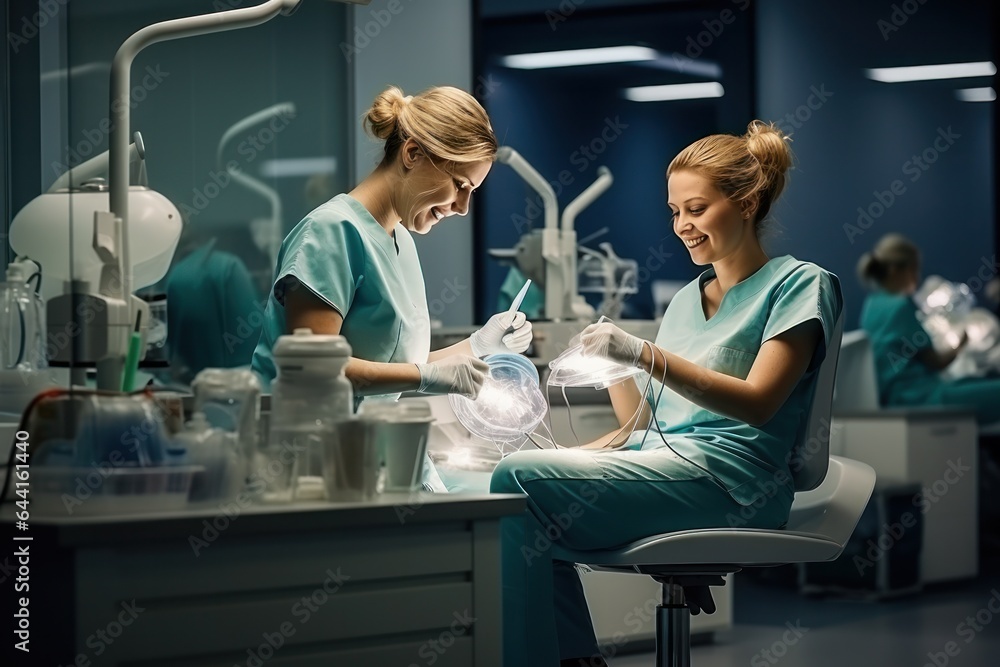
(811, 455)
(857, 385)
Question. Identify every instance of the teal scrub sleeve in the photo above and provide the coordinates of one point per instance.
(807, 293)
(906, 327)
(327, 257)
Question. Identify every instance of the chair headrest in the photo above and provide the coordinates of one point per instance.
(810, 457)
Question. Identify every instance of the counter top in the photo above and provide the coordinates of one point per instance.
(253, 520)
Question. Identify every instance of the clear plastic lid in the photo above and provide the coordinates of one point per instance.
(304, 343)
(574, 369)
(510, 404)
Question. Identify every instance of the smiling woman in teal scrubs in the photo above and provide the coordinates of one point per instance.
(907, 365)
(350, 267)
(738, 349)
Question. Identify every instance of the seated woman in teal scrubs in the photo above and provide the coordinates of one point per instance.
(907, 365)
(350, 267)
(738, 352)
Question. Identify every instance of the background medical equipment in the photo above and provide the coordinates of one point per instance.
(110, 215)
(274, 233)
(548, 256)
(609, 275)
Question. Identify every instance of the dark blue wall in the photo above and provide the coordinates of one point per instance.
(849, 150)
(549, 115)
(864, 137)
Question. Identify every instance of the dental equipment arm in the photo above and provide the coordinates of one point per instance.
(113, 228)
(577, 305)
(251, 183)
(555, 277)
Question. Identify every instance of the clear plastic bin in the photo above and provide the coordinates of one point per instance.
(71, 492)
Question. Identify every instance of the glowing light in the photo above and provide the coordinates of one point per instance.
(574, 369)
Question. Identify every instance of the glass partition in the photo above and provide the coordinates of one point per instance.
(243, 132)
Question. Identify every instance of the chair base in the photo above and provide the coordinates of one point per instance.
(673, 629)
(673, 614)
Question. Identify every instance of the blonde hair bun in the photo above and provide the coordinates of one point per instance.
(382, 119)
(447, 122)
(769, 145)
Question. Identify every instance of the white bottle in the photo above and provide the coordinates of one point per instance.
(309, 397)
(215, 450)
(23, 365)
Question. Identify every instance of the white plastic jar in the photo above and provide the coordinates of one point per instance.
(309, 397)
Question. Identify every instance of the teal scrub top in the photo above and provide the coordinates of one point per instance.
(781, 295)
(213, 313)
(897, 336)
(347, 260)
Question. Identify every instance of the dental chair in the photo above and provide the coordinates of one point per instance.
(831, 493)
(913, 444)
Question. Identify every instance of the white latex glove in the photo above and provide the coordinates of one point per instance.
(609, 342)
(455, 374)
(496, 336)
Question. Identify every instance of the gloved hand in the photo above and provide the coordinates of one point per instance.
(609, 342)
(496, 337)
(457, 374)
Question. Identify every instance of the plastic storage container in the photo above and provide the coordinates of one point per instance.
(230, 400)
(104, 455)
(400, 434)
(216, 451)
(309, 397)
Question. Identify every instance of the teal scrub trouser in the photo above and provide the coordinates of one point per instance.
(981, 394)
(588, 499)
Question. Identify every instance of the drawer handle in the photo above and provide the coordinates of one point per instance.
(944, 430)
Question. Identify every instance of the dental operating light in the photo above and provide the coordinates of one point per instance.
(985, 94)
(931, 72)
(679, 91)
(577, 57)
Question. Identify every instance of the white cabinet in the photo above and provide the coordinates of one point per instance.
(938, 449)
